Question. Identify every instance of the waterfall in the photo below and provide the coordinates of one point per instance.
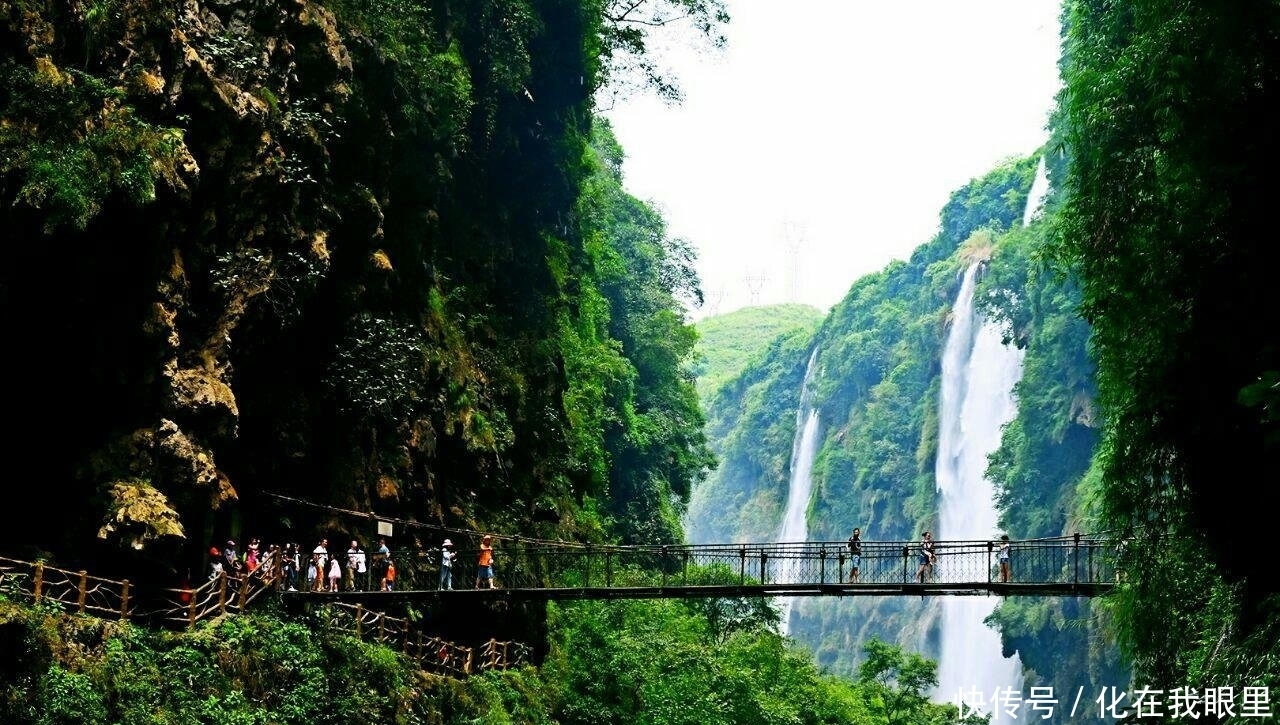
(978, 375)
(1035, 198)
(795, 527)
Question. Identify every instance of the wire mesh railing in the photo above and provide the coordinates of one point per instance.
(1062, 561)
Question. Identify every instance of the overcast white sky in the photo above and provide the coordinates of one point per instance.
(837, 128)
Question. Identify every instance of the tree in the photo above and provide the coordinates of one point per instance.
(895, 681)
(628, 31)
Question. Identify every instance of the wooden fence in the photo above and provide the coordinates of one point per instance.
(73, 590)
(431, 653)
(229, 594)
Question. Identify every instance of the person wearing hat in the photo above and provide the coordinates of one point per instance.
(446, 565)
(231, 563)
(215, 562)
(484, 573)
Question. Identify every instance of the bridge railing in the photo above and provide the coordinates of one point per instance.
(1062, 561)
(432, 653)
(220, 595)
(75, 591)
(226, 594)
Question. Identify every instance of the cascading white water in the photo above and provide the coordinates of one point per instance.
(795, 526)
(978, 375)
(1035, 198)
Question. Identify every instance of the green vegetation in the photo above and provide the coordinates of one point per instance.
(1167, 120)
(378, 257)
(728, 343)
(610, 663)
(77, 143)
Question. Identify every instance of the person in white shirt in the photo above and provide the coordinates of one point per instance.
(447, 555)
(320, 557)
(355, 566)
(1006, 572)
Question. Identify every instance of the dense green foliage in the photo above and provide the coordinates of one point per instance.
(655, 445)
(372, 255)
(730, 507)
(611, 663)
(1168, 114)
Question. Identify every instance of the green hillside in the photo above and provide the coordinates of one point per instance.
(728, 342)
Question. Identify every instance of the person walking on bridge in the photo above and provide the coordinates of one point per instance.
(927, 557)
(355, 569)
(484, 571)
(447, 555)
(320, 559)
(1006, 573)
(855, 554)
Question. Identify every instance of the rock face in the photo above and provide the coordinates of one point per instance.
(251, 247)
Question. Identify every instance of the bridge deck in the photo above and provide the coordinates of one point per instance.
(715, 591)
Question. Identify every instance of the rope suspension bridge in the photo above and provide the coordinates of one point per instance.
(1066, 566)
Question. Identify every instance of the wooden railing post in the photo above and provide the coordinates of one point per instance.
(84, 585)
(39, 580)
(244, 592)
(124, 599)
(191, 611)
(382, 627)
(222, 592)
(407, 639)
(360, 621)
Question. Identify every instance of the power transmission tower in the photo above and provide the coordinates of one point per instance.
(755, 282)
(713, 300)
(793, 238)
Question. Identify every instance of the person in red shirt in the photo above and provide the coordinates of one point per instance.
(484, 573)
(389, 576)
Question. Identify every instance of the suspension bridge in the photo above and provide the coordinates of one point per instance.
(1076, 566)
(1068, 566)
